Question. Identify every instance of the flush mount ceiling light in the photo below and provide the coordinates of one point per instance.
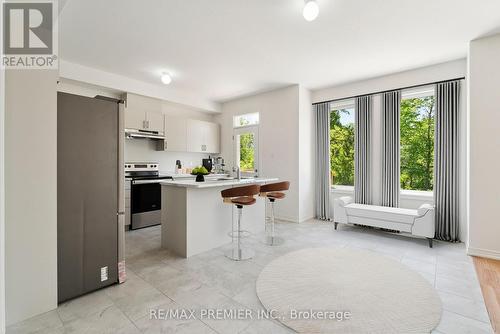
(311, 10)
(166, 78)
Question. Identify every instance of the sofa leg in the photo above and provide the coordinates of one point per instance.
(335, 224)
(430, 242)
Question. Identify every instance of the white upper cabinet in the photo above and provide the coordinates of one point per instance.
(195, 137)
(155, 121)
(213, 138)
(181, 134)
(175, 134)
(134, 120)
(203, 137)
(143, 113)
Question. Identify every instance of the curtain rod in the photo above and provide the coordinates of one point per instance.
(389, 90)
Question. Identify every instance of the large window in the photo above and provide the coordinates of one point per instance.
(342, 143)
(417, 140)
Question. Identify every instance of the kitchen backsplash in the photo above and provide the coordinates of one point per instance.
(142, 150)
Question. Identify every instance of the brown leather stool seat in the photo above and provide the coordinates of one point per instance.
(244, 200)
(275, 195)
(240, 196)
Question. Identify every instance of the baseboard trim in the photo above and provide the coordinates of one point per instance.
(490, 254)
(290, 220)
(306, 219)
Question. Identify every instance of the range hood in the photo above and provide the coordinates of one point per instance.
(133, 133)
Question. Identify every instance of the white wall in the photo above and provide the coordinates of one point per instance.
(30, 193)
(484, 141)
(444, 71)
(278, 140)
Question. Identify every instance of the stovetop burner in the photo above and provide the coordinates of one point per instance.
(144, 171)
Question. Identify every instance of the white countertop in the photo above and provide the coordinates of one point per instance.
(210, 183)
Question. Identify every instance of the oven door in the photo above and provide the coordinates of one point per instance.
(145, 203)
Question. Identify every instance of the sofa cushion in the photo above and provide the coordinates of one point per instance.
(399, 215)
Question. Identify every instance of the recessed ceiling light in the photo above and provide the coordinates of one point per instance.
(311, 10)
(166, 78)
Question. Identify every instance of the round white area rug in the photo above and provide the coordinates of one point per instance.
(323, 290)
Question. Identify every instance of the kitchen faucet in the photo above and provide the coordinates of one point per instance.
(238, 172)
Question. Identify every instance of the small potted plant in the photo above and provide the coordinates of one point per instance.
(200, 173)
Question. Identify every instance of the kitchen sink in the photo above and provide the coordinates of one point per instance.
(229, 178)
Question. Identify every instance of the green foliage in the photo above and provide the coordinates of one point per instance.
(417, 143)
(200, 170)
(244, 121)
(247, 152)
(341, 149)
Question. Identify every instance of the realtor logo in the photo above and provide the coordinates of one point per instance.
(29, 34)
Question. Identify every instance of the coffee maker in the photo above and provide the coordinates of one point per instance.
(208, 164)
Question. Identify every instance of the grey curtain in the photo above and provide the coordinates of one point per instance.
(322, 123)
(391, 102)
(446, 173)
(362, 150)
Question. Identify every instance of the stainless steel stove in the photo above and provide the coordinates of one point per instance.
(144, 193)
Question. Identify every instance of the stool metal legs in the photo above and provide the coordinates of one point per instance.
(271, 238)
(237, 252)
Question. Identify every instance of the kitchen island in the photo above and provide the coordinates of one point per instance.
(194, 219)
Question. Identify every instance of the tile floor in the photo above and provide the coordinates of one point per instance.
(158, 279)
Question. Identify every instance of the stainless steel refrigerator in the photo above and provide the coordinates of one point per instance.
(90, 198)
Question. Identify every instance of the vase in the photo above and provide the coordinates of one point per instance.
(200, 178)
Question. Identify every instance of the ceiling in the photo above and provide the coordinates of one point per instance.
(222, 49)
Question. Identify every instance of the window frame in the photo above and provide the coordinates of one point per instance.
(412, 93)
(235, 126)
(336, 105)
(242, 129)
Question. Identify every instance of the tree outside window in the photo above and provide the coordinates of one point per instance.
(342, 146)
(246, 141)
(417, 143)
(247, 152)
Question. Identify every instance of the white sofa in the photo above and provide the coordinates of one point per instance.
(418, 222)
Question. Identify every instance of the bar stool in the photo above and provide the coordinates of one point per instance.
(239, 196)
(272, 192)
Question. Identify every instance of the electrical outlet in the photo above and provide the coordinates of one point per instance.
(104, 274)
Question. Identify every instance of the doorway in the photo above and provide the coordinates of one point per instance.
(246, 146)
